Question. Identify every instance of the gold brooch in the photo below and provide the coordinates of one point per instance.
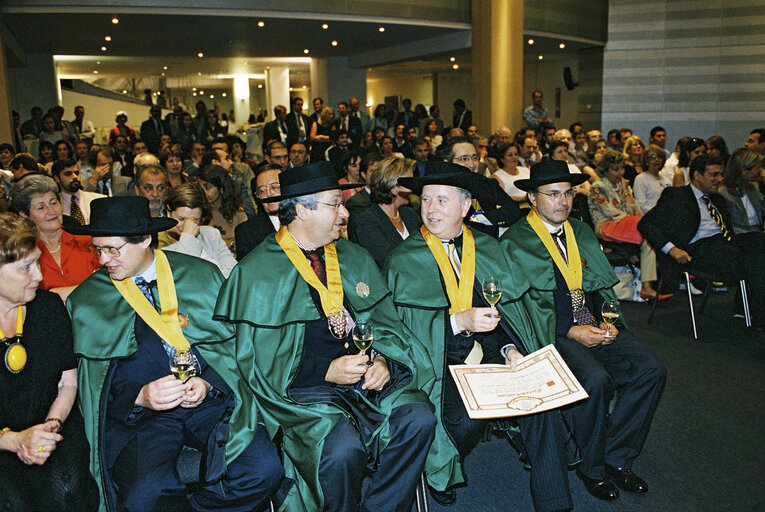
(362, 290)
(584, 263)
(183, 320)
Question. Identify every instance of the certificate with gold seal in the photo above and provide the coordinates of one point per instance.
(541, 381)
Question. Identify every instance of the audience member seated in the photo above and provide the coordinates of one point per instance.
(649, 183)
(172, 161)
(63, 149)
(23, 164)
(615, 215)
(187, 204)
(693, 148)
(299, 154)
(7, 153)
(213, 130)
(578, 150)
(46, 155)
(360, 200)
(152, 183)
(716, 146)
(75, 201)
(692, 225)
(239, 151)
(339, 148)
(745, 202)
(122, 129)
(43, 452)
(511, 171)
(559, 151)
(256, 229)
(224, 199)
(390, 220)
(349, 169)
(65, 260)
(670, 166)
(633, 149)
(431, 131)
(52, 130)
(103, 178)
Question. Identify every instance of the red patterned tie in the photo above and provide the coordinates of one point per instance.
(318, 266)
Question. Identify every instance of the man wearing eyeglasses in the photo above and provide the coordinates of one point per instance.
(152, 183)
(250, 233)
(354, 436)
(129, 319)
(492, 210)
(298, 154)
(570, 280)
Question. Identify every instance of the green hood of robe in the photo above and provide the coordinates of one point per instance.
(423, 305)
(103, 328)
(270, 303)
(526, 249)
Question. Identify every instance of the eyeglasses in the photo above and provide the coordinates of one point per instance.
(568, 194)
(466, 158)
(112, 252)
(655, 157)
(274, 188)
(333, 205)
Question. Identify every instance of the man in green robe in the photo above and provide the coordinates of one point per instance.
(294, 300)
(570, 281)
(138, 417)
(460, 329)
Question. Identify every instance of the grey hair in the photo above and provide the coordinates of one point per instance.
(463, 194)
(29, 186)
(288, 207)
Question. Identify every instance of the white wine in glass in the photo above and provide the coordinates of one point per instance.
(492, 290)
(183, 365)
(363, 337)
(610, 312)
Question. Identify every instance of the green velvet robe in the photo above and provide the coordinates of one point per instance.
(103, 327)
(423, 305)
(525, 248)
(270, 304)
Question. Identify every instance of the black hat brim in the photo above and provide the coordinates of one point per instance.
(345, 186)
(156, 224)
(532, 183)
(468, 181)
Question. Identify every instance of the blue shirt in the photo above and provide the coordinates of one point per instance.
(530, 114)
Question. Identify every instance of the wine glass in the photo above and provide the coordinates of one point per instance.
(610, 311)
(363, 337)
(492, 290)
(183, 364)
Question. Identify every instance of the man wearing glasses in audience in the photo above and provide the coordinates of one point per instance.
(570, 280)
(152, 183)
(250, 233)
(298, 155)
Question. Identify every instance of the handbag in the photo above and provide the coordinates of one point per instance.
(629, 285)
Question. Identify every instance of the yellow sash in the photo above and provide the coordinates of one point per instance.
(168, 325)
(572, 272)
(331, 295)
(19, 323)
(460, 297)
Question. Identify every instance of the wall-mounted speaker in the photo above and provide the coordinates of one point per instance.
(568, 79)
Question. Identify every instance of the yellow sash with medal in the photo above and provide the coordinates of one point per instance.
(572, 272)
(167, 324)
(331, 296)
(460, 297)
(15, 353)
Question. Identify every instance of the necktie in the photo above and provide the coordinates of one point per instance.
(715, 213)
(560, 243)
(143, 285)
(104, 188)
(75, 212)
(476, 353)
(582, 315)
(345, 123)
(318, 266)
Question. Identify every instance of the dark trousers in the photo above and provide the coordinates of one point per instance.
(742, 258)
(146, 476)
(626, 366)
(392, 487)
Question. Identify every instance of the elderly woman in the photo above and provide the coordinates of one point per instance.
(43, 452)
(649, 184)
(616, 214)
(65, 259)
(187, 204)
(510, 171)
(389, 221)
(745, 202)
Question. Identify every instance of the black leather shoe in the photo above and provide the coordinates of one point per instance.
(602, 489)
(626, 479)
(445, 498)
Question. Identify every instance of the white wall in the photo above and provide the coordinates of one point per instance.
(102, 111)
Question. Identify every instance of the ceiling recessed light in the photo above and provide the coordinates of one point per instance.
(200, 55)
(531, 41)
(164, 67)
(103, 48)
(124, 91)
(334, 43)
(541, 57)
(261, 24)
(108, 38)
(260, 86)
(562, 46)
(194, 89)
(212, 96)
(115, 20)
(199, 74)
(193, 94)
(381, 29)
(305, 87)
(224, 94)
(95, 72)
(305, 51)
(98, 62)
(455, 66)
(201, 92)
(163, 73)
(452, 59)
(325, 26)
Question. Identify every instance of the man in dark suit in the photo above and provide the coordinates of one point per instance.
(153, 128)
(407, 117)
(691, 224)
(298, 124)
(250, 233)
(276, 129)
(463, 117)
(352, 124)
(400, 144)
(318, 104)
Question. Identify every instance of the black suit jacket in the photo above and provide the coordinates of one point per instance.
(359, 201)
(467, 120)
(293, 130)
(354, 129)
(401, 119)
(271, 132)
(250, 233)
(150, 135)
(372, 230)
(497, 207)
(676, 218)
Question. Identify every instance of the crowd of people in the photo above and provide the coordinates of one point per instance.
(163, 293)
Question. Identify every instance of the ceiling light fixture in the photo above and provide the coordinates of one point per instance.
(381, 29)
(108, 38)
(334, 43)
(562, 46)
(164, 67)
(224, 94)
(201, 92)
(200, 55)
(455, 66)
(115, 20)
(452, 59)
(325, 26)
(260, 86)
(531, 41)
(199, 74)
(193, 94)
(305, 51)
(163, 73)
(124, 91)
(541, 57)
(212, 96)
(194, 89)
(103, 48)
(98, 62)
(261, 24)
(95, 72)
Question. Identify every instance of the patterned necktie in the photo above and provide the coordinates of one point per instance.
(318, 266)
(142, 285)
(582, 315)
(75, 212)
(715, 213)
(560, 244)
(345, 123)
(104, 189)
(454, 257)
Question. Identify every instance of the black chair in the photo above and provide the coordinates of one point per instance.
(669, 267)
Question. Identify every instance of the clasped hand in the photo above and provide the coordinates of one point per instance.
(351, 368)
(35, 444)
(591, 336)
(477, 319)
(169, 392)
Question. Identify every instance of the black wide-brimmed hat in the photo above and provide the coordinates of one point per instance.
(121, 216)
(307, 179)
(550, 171)
(445, 173)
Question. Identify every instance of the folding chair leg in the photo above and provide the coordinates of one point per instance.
(690, 303)
(655, 299)
(271, 505)
(745, 300)
(421, 496)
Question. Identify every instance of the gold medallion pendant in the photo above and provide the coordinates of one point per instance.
(337, 324)
(577, 299)
(15, 354)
